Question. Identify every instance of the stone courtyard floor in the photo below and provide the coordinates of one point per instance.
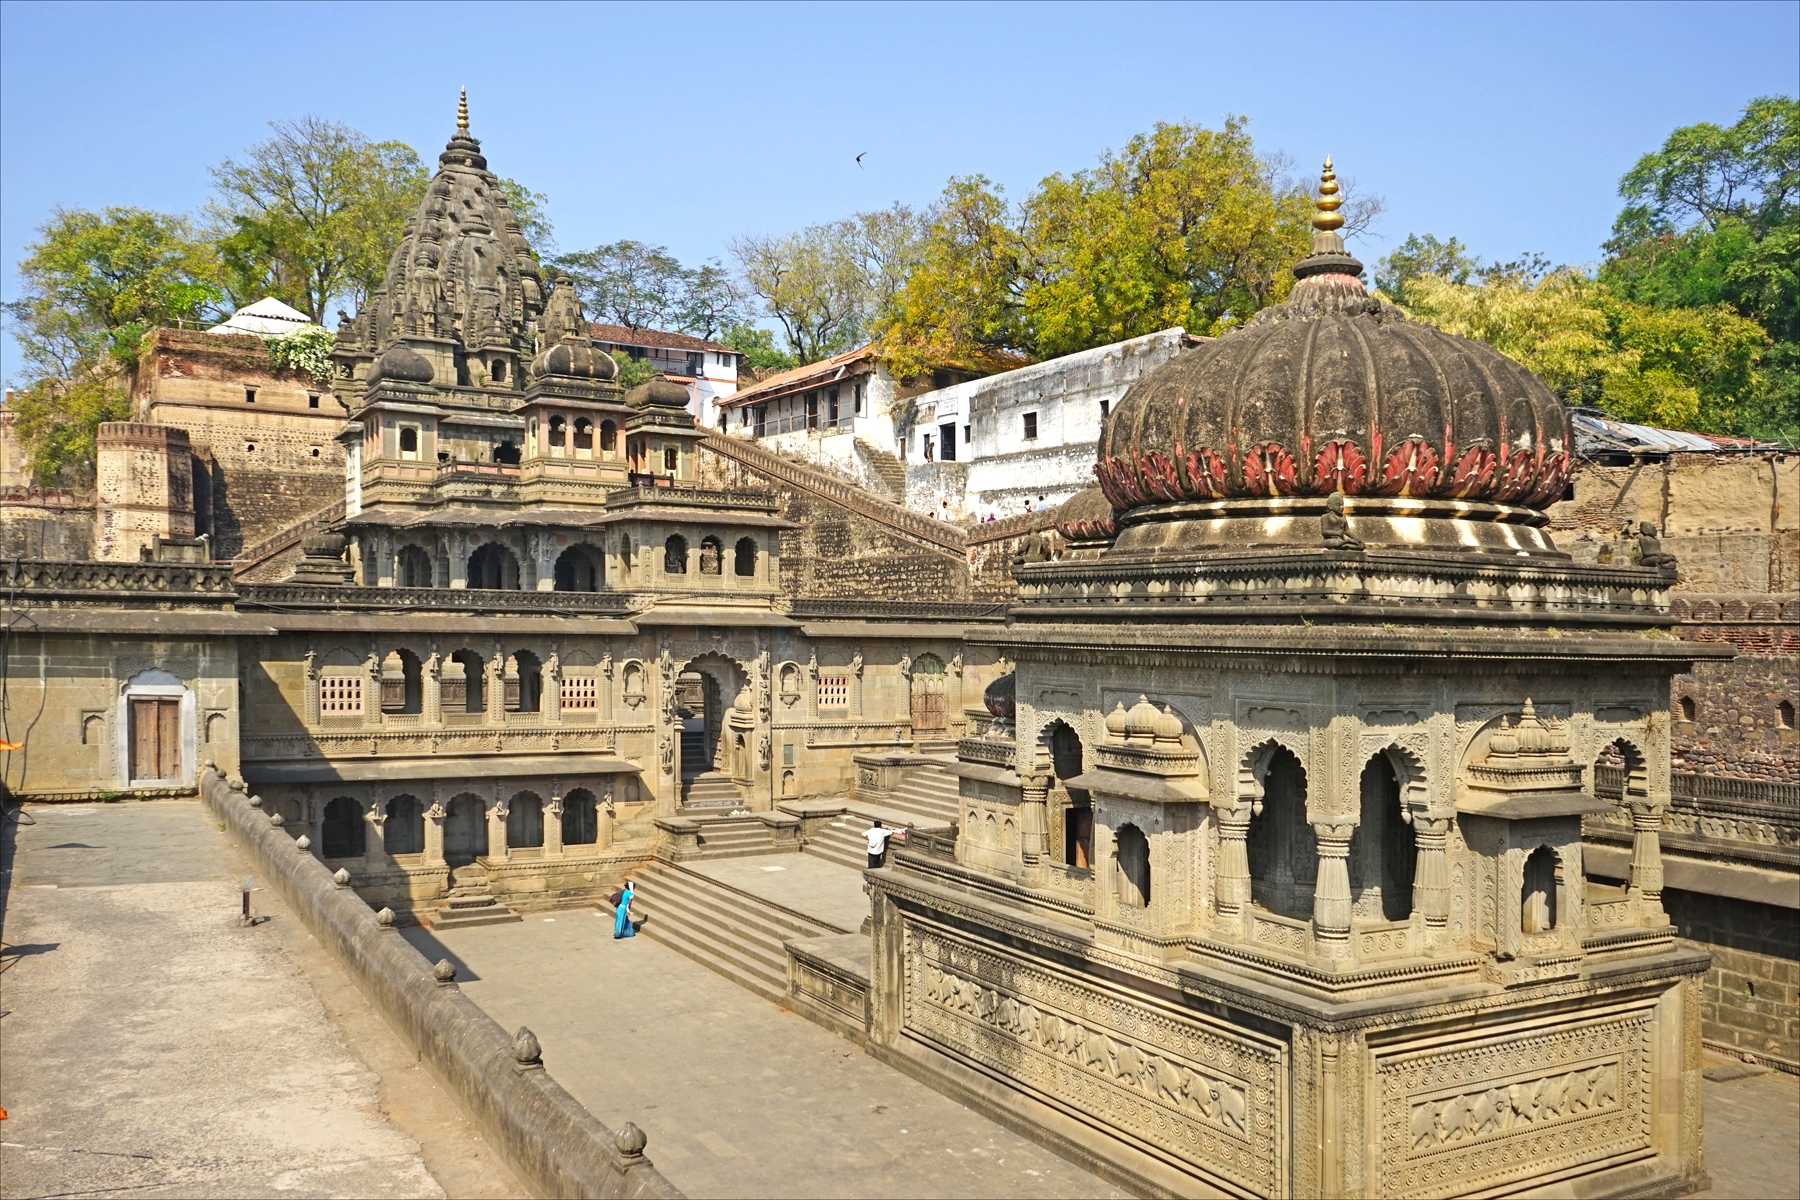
(150, 1046)
(738, 1096)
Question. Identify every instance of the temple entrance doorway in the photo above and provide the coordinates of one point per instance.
(928, 696)
(704, 692)
(465, 830)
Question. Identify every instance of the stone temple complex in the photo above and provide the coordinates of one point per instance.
(1257, 792)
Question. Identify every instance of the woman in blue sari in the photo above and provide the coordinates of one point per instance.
(622, 914)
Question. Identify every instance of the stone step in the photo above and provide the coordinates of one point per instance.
(729, 931)
(484, 900)
(466, 917)
(841, 842)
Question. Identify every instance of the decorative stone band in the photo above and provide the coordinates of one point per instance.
(1414, 467)
(552, 1142)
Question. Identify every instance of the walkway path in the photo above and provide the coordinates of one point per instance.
(153, 1047)
(738, 1097)
(813, 887)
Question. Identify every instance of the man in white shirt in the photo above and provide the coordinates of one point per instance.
(878, 839)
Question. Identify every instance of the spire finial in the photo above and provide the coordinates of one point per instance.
(1326, 218)
(462, 113)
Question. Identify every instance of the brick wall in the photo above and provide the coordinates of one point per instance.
(1751, 997)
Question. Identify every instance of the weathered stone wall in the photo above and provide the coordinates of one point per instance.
(144, 475)
(1738, 728)
(1750, 1000)
(270, 434)
(53, 524)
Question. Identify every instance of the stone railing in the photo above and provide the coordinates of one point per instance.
(904, 521)
(302, 595)
(995, 752)
(1726, 820)
(1017, 525)
(261, 552)
(118, 581)
(753, 499)
(555, 1145)
(929, 845)
(919, 610)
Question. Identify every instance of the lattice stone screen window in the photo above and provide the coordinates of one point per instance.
(834, 691)
(340, 695)
(580, 692)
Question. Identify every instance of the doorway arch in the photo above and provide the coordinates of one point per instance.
(465, 830)
(928, 715)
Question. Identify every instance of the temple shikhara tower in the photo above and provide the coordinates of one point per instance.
(1276, 887)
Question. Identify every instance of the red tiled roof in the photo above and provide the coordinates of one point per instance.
(625, 336)
(823, 371)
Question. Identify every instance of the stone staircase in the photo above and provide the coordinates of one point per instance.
(719, 927)
(842, 842)
(887, 468)
(929, 795)
(735, 838)
(470, 903)
(711, 790)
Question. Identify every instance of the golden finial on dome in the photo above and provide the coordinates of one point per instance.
(462, 114)
(1326, 219)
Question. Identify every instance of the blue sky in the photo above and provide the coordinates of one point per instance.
(1505, 125)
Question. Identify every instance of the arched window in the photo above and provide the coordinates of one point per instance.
(1284, 855)
(1684, 708)
(415, 568)
(507, 453)
(493, 567)
(1133, 857)
(529, 681)
(463, 680)
(580, 823)
(609, 436)
(746, 557)
(579, 569)
(525, 821)
(409, 441)
(1537, 899)
(1074, 805)
(1381, 850)
(1784, 714)
(559, 429)
(584, 434)
(344, 832)
(404, 829)
(675, 555)
(712, 556)
(401, 686)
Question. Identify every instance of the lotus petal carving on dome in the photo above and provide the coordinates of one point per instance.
(1340, 467)
(1269, 471)
(1411, 470)
(1207, 474)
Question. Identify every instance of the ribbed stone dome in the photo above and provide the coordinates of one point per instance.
(1336, 391)
(657, 393)
(576, 359)
(400, 364)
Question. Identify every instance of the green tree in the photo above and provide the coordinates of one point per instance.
(91, 285)
(633, 371)
(1422, 254)
(758, 348)
(1183, 226)
(533, 210)
(94, 282)
(312, 214)
(627, 283)
(1686, 368)
(1711, 218)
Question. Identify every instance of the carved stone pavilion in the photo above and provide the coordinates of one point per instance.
(1276, 888)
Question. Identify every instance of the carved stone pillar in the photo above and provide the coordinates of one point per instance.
(434, 834)
(372, 691)
(494, 692)
(551, 702)
(1234, 859)
(509, 680)
(1646, 849)
(553, 843)
(496, 815)
(603, 819)
(1331, 892)
(431, 696)
(606, 690)
(312, 688)
(1033, 819)
(1431, 872)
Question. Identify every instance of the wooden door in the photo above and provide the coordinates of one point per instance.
(156, 738)
(928, 696)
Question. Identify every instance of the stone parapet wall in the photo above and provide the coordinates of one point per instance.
(554, 1144)
(1750, 1000)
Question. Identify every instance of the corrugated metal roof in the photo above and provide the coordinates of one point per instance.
(1595, 434)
